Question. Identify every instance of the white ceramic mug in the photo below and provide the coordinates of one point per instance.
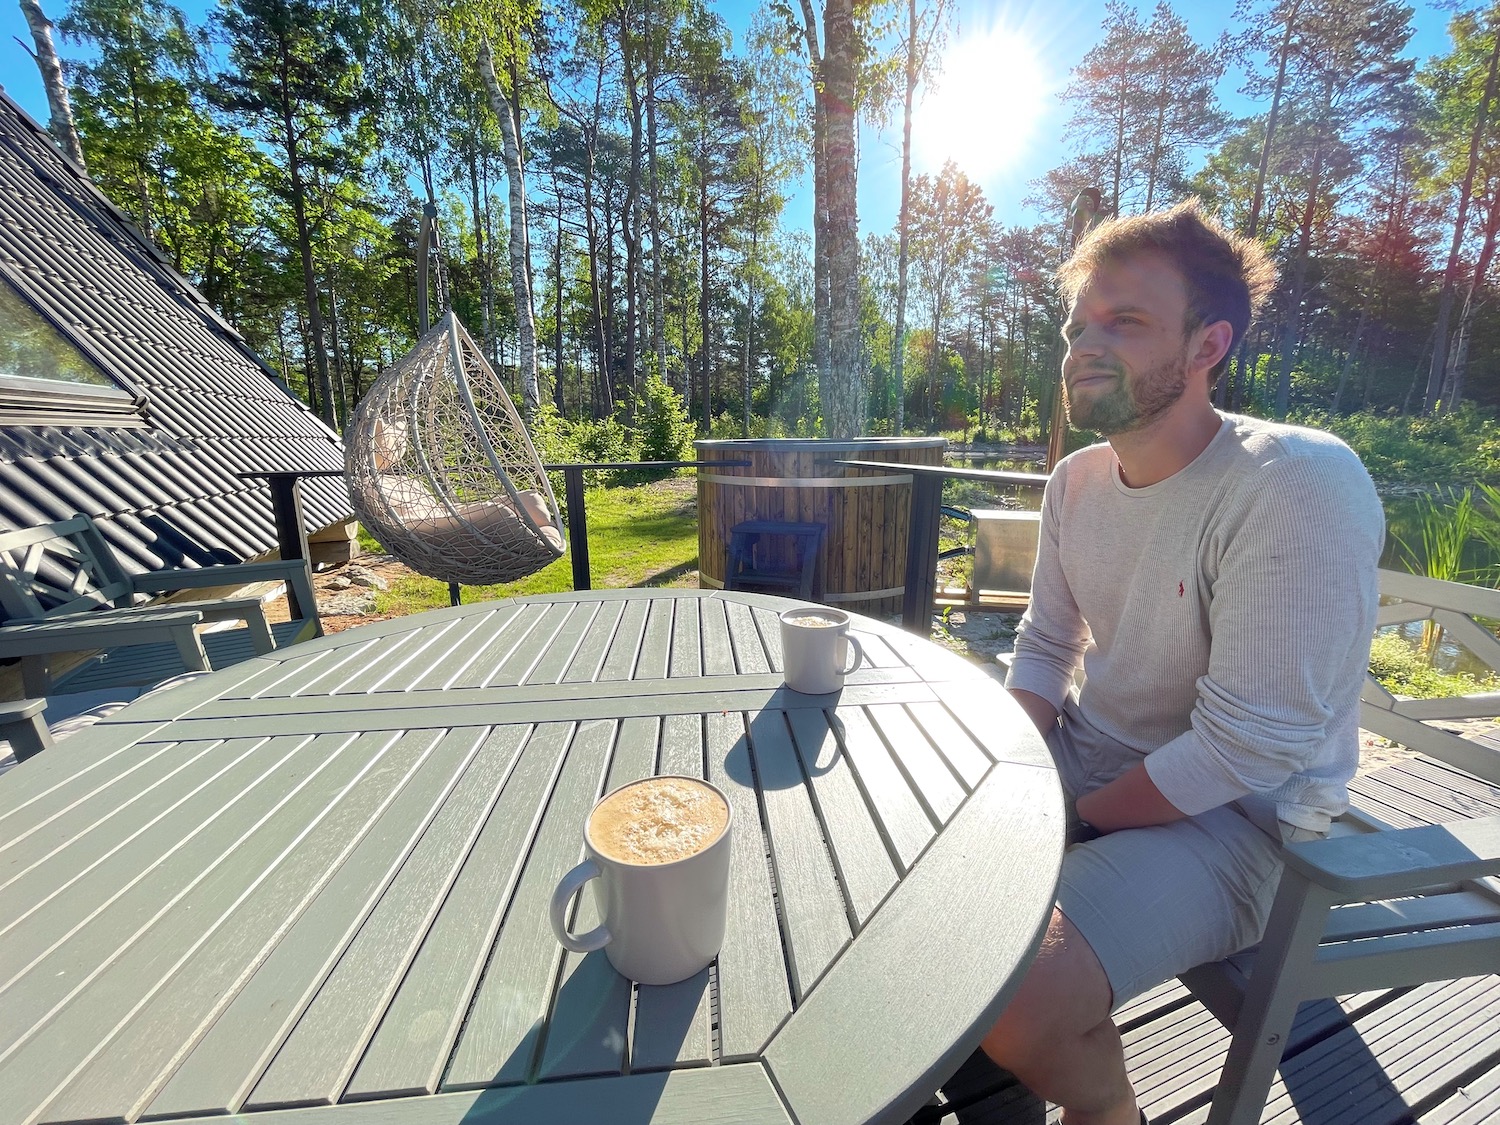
(815, 644)
(661, 858)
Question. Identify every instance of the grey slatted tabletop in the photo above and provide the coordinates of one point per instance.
(313, 887)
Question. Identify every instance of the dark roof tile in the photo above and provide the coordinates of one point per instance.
(168, 493)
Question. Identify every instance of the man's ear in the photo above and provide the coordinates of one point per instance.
(1212, 345)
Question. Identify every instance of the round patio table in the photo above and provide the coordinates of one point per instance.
(312, 888)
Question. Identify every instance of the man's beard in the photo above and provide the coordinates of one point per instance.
(1129, 404)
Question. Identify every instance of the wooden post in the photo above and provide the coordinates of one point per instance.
(922, 552)
(578, 526)
(286, 511)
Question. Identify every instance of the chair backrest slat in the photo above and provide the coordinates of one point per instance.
(1452, 608)
(63, 567)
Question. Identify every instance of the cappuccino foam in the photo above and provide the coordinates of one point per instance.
(658, 820)
(813, 621)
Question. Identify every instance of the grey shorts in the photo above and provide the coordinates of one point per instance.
(1154, 902)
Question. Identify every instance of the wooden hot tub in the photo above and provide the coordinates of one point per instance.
(865, 513)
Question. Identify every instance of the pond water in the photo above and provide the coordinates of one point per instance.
(1403, 526)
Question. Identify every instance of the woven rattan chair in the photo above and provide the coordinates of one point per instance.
(442, 471)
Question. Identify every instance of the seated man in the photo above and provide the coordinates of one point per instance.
(1215, 576)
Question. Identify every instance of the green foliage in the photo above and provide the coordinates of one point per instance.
(663, 430)
(604, 439)
(1402, 669)
(1448, 525)
(727, 426)
(1456, 448)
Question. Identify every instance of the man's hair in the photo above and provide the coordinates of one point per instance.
(1227, 276)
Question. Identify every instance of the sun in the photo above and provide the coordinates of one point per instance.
(985, 106)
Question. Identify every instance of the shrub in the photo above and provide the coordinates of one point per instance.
(1456, 448)
(728, 427)
(1402, 670)
(663, 431)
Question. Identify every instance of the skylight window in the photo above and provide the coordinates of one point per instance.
(30, 348)
(48, 378)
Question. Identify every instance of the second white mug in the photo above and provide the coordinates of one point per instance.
(815, 648)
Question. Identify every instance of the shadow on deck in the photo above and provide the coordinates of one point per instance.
(1428, 1055)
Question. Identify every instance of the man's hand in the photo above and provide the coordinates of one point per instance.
(1131, 800)
(1037, 709)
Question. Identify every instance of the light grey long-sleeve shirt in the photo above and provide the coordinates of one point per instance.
(1222, 617)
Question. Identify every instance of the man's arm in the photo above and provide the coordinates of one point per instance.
(1294, 600)
(1052, 635)
(1041, 713)
(1131, 800)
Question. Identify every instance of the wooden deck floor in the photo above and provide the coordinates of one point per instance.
(1428, 1055)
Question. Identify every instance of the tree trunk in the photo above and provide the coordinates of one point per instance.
(1156, 152)
(1477, 139)
(61, 108)
(903, 252)
(1359, 331)
(1453, 386)
(520, 264)
(632, 213)
(703, 310)
(603, 399)
(315, 333)
(1265, 146)
(486, 274)
(1291, 327)
(559, 399)
(819, 79)
(653, 190)
(842, 400)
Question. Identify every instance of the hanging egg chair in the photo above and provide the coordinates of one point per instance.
(441, 469)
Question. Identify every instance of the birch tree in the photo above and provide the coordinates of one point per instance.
(61, 125)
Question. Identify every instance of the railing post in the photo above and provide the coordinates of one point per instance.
(578, 526)
(286, 512)
(922, 552)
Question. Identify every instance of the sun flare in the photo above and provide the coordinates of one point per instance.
(985, 106)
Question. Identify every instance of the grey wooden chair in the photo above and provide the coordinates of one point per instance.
(1374, 906)
(63, 591)
(26, 729)
(21, 725)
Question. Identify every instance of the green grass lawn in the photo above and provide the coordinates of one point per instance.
(639, 535)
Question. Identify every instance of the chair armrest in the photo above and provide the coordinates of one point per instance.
(225, 609)
(21, 725)
(76, 632)
(291, 571)
(229, 574)
(1382, 864)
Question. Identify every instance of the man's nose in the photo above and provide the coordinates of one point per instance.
(1086, 343)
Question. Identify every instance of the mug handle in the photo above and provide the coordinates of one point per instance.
(859, 654)
(570, 885)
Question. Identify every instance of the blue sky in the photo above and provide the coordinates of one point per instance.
(995, 110)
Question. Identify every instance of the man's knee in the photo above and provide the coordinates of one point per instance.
(1064, 994)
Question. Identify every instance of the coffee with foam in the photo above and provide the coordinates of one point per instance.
(812, 621)
(658, 820)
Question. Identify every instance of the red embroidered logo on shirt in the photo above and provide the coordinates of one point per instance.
(1180, 590)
